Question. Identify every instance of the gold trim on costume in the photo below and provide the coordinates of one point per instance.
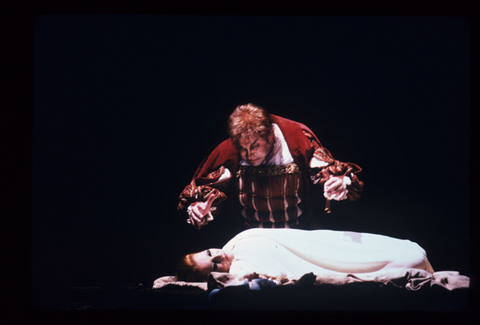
(269, 171)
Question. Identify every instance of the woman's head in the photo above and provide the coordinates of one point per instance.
(196, 267)
(187, 271)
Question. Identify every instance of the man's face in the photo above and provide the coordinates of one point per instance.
(255, 150)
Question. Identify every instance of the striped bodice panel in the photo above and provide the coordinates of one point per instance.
(270, 196)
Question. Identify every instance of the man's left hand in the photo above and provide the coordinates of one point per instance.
(335, 188)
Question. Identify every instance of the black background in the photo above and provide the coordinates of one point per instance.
(126, 106)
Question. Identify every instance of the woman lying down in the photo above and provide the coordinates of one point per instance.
(291, 253)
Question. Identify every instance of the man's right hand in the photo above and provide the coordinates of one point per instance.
(197, 212)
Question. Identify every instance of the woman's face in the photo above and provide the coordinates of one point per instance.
(212, 260)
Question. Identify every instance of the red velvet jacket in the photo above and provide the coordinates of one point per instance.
(302, 143)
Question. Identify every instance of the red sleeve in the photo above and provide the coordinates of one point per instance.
(334, 168)
(206, 181)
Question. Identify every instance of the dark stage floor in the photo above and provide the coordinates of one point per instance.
(326, 297)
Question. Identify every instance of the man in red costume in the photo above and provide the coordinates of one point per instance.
(268, 167)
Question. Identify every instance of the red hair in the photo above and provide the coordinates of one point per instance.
(187, 270)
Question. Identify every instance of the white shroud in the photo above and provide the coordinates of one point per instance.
(292, 253)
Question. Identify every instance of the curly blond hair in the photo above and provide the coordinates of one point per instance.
(247, 122)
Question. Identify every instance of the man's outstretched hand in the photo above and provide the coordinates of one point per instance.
(198, 211)
(335, 188)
